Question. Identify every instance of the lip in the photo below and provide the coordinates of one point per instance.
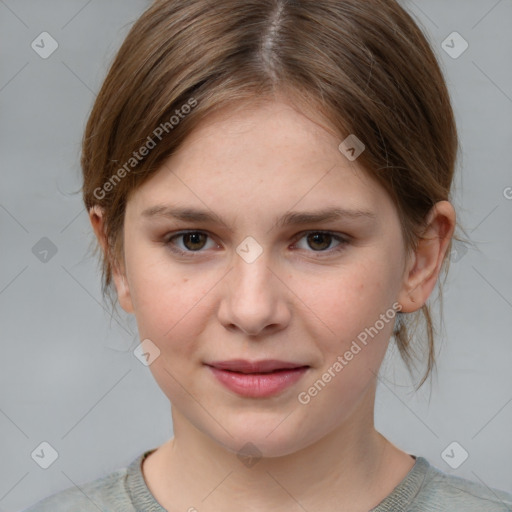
(263, 366)
(257, 379)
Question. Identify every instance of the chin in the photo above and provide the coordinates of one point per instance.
(257, 442)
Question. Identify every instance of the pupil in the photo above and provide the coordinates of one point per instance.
(319, 237)
(193, 237)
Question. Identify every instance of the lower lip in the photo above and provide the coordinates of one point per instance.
(258, 385)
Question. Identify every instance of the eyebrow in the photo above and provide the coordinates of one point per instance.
(288, 219)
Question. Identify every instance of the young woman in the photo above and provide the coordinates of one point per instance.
(270, 182)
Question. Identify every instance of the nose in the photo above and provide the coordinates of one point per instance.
(254, 298)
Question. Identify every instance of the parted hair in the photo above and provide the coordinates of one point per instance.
(363, 66)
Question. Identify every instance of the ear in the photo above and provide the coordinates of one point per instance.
(424, 264)
(118, 272)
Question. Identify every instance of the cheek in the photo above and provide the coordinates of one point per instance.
(349, 299)
(355, 343)
(168, 299)
(351, 336)
(171, 313)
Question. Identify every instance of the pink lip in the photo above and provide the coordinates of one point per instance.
(257, 379)
(244, 366)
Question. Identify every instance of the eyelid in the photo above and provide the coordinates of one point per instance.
(334, 234)
(342, 239)
(171, 236)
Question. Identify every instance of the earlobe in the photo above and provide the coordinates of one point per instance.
(118, 273)
(96, 219)
(123, 290)
(424, 264)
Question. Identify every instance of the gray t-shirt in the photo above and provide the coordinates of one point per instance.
(424, 489)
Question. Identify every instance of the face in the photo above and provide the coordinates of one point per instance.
(245, 283)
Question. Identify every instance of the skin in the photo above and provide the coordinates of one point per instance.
(299, 301)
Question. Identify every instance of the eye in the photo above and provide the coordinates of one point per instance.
(193, 241)
(319, 241)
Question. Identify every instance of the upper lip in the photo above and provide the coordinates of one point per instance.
(244, 366)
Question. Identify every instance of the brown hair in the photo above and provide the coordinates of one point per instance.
(365, 66)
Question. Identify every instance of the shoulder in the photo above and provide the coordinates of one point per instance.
(443, 491)
(107, 493)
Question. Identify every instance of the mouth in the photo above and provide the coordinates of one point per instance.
(264, 366)
(257, 379)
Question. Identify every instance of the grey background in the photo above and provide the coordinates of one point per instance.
(68, 375)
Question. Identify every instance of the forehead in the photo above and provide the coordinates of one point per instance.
(256, 157)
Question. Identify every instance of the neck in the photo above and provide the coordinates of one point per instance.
(353, 468)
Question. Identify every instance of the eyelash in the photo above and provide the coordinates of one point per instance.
(343, 241)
